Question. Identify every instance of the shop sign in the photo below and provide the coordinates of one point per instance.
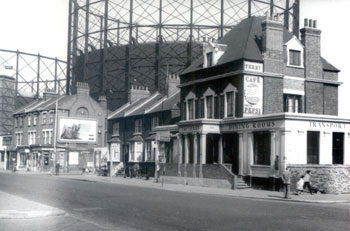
(253, 95)
(191, 128)
(251, 66)
(251, 125)
(330, 125)
(73, 158)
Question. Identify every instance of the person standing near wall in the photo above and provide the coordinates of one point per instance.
(286, 183)
(307, 181)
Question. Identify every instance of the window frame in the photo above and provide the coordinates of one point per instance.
(292, 54)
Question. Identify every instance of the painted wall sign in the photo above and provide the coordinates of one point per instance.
(253, 95)
(251, 66)
(191, 128)
(314, 124)
(251, 125)
(77, 130)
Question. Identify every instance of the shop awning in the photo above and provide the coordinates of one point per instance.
(114, 140)
(136, 139)
(151, 137)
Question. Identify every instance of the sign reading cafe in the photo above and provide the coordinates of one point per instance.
(253, 95)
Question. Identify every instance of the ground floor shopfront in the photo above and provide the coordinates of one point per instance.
(71, 157)
(262, 147)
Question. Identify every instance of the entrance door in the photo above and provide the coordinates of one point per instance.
(231, 151)
(212, 148)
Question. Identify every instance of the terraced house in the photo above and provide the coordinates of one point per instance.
(258, 100)
(64, 129)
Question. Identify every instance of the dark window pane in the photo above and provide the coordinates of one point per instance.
(313, 144)
(262, 148)
(338, 148)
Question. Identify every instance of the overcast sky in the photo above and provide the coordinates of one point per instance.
(40, 26)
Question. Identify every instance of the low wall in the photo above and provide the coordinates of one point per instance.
(329, 178)
(212, 174)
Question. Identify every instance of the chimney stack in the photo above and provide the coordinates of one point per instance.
(272, 44)
(137, 92)
(172, 81)
(83, 88)
(311, 39)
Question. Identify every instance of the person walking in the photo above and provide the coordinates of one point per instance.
(57, 168)
(307, 181)
(300, 185)
(286, 183)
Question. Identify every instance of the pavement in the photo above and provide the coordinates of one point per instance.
(241, 193)
(14, 207)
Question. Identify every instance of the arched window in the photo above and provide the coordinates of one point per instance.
(82, 112)
(230, 100)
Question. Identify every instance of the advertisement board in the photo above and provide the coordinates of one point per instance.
(77, 130)
(253, 95)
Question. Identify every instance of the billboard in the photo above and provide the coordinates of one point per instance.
(253, 95)
(77, 130)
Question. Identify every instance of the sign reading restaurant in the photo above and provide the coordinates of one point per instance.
(253, 95)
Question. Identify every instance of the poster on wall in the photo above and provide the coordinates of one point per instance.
(253, 95)
(73, 158)
(77, 130)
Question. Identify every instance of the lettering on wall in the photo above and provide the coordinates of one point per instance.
(251, 125)
(314, 124)
(253, 95)
(190, 128)
(251, 66)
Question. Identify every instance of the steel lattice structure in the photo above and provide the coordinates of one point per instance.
(33, 73)
(115, 43)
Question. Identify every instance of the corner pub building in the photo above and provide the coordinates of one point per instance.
(258, 100)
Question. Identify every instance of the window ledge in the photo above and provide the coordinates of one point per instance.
(294, 66)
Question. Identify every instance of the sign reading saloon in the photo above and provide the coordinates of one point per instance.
(253, 95)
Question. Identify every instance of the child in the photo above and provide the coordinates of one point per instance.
(300, 185)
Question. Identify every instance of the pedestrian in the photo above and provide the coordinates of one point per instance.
(307, 181)
(157, 169)
(300, 185)
(57, 168)
(286, 183)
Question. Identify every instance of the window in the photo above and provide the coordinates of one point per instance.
(209, 59)
(292, 103)
(338, 148)
(82, 112)
(16, 122)
(31, 137)
(209, 100)
(154, 122)
(313, 147)
(19, 138)
(115, 149)
(30, 120)
(222, 106)
(44, 118)
(20, 121)
(201, 106)
(138, 126)
(7, 141)
(262, 148)
(230, 104)
(190, 109)
(184, 114)
(35, 119)
(47, 136)
(197, 108)
(52, 117)
(115, 129)
(294, 57)
(132, 152)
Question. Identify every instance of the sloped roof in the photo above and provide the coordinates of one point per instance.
(148, 104)
(167, 104)
(244, 41)
(327, 66)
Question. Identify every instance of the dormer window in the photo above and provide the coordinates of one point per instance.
(294, 58)
(209, 59)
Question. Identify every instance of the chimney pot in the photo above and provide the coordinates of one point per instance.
(305, 21)
(315, 23)
(310, 22)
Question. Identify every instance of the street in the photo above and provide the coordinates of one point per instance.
(119, 207)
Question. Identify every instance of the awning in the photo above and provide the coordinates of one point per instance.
(151, 137)
(136, 139)
(114, 140)
(163, 138)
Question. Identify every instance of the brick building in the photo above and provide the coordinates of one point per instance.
(132, 140)
(258, 100)
(63, 129)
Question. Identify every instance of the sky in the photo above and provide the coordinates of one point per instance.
(41, 26)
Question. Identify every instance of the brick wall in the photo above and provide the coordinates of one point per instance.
(328, 75)
(330, 99)
(331, 179)
(273, 95)
(292, 71)
(314, 97)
